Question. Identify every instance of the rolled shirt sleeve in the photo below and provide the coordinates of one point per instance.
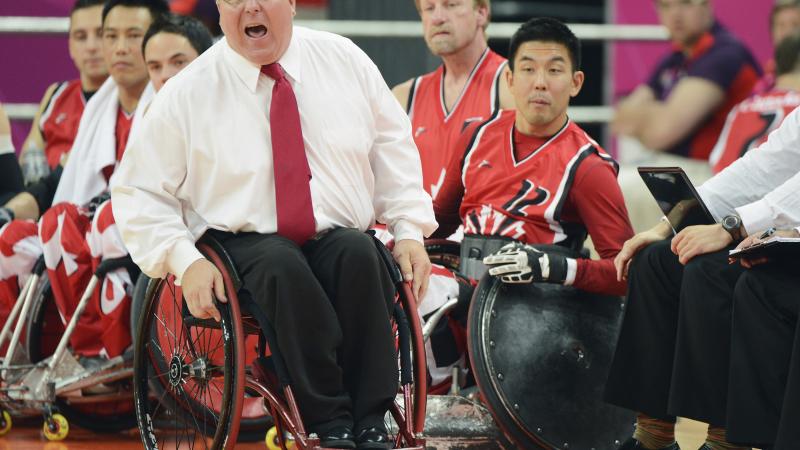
(761, 187)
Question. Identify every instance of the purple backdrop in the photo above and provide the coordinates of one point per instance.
(748, 19)
(32, 62)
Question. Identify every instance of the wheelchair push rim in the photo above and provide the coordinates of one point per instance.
(191, 370)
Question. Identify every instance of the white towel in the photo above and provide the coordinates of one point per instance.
(95, 146)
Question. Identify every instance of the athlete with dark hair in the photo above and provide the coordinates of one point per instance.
(533, 176)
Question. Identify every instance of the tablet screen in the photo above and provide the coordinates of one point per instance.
(676, 197)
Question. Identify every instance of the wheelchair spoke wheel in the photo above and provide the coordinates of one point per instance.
(188, 373)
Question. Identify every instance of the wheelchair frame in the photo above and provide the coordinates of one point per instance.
(32, 388)
(408, 410)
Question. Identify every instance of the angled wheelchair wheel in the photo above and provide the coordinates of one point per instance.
(188, 373)
(541, 353)
(107, 412)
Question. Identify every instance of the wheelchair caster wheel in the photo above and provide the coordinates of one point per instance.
(273, 443)
(5, 423)
(56, 427)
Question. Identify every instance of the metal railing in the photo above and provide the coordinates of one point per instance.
(369, 28)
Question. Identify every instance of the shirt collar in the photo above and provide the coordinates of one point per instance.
(249, 72)
(703, 44)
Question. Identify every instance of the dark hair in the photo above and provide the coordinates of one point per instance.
(779, 6)
(192, 29)
(81, 4)
(156, 7)
(787, 55)
(546, 29)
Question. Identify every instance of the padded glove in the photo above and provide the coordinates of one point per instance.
(519, 263)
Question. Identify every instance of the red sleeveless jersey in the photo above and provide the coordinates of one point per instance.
(749, 124)
(524, 199)
(436, 131)
(59, 121)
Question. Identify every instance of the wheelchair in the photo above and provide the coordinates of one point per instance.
(39, 375)
(193, 377)
(539, 353)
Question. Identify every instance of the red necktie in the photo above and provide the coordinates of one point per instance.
(292, 174)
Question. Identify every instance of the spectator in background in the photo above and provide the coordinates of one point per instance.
(750, 122)
(56, 123)
(784, 20)
(679, 112)
(682, 107)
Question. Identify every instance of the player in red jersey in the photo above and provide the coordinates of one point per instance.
(533, 176)
(61, 235)
(468, 87)
(750, 122)
(56, 122)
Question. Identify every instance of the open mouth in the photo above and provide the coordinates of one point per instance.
(256, 31)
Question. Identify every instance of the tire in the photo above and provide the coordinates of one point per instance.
(190, 403)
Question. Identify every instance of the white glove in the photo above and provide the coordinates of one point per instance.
(518, 263)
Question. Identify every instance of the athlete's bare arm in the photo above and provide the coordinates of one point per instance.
(401, 93)
(661, 125)
(35, 139)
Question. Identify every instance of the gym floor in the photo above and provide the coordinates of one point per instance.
(27, 436)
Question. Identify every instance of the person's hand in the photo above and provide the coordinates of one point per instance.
(201, 282)
(414, 265)
(755, 239)
(518, 263)
(633, 245)
(699, 240)
(6, 215)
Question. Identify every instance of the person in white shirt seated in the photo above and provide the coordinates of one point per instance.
(286, 145)
(674, 350)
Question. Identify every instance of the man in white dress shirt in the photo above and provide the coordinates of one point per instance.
(207, 159)
(674, 348)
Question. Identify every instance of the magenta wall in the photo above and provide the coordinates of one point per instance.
(30, 63)
(632, 62)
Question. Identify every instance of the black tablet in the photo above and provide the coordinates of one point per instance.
(676, 197)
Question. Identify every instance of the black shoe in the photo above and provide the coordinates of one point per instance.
(634, 444)
(337, 437)
(372, 439)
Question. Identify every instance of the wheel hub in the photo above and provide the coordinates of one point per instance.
(176, 371)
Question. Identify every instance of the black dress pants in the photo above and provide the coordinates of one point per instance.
(328, 303)
(764, 388)
(672, 356)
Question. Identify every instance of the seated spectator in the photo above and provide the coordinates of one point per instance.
(674, 348)
(533, 176)
(678, 113)
(764, 389)
(750, 122)
(100, 141)
(784, 20)
(56, 123)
